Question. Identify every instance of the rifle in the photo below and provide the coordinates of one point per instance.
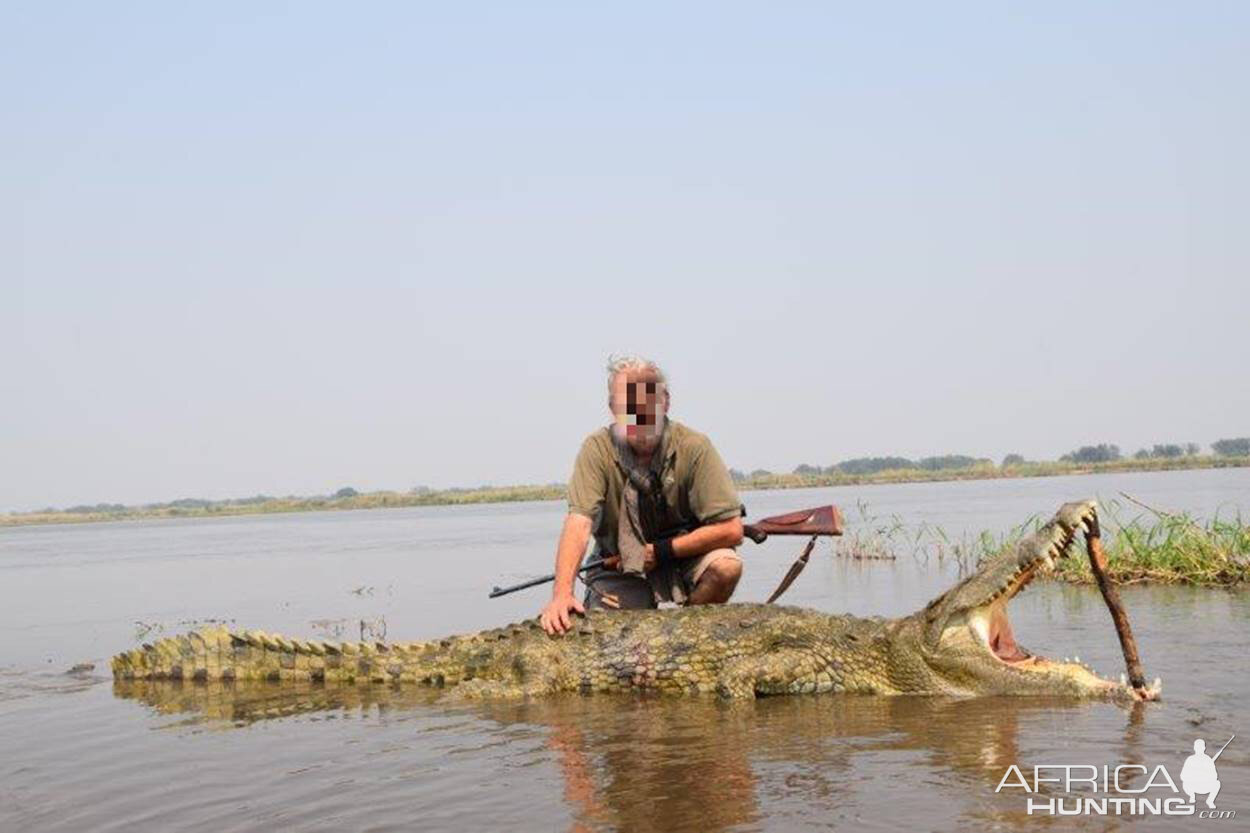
(823, 520)
(591, 564)
(534, 582)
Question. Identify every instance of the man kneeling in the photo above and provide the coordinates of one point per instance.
(659, 502)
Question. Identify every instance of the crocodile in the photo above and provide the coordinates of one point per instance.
(961, 643)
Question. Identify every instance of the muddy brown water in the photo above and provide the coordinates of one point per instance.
(78, 752)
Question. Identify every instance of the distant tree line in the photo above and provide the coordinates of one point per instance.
(872, 465)
(1109, 452)
(101, 508)
(1239, 447)
(1168, 451)
(180, 503)
(1101, 453)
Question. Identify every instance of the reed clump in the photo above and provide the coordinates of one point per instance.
(1151, 547)
(872, 537)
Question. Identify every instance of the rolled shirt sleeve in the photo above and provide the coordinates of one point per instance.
(713, 496)
(588, 486)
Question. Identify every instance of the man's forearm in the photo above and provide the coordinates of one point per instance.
(573, 539)
(707, 538)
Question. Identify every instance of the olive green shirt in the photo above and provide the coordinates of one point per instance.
(696, 485)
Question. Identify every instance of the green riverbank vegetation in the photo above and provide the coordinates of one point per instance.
(1167, 548)
(1093, 459)
(1143, 545)
(346, 498)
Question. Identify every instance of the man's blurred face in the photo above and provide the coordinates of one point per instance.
(639, 407)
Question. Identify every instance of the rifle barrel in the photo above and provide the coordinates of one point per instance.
(534, 582)
(594, 562)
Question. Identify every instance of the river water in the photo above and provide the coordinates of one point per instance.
(78, 753)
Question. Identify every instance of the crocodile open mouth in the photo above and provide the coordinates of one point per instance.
(993, 627)
(994, 631)
(1000, 639)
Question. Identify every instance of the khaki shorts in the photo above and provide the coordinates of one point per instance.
(672, 582)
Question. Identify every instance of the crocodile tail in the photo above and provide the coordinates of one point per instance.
(220, 654)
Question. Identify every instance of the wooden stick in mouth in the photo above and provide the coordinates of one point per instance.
(1098, 564)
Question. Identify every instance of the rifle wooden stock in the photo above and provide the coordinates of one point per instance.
(823, 520)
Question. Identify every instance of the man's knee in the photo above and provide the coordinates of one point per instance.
(720, 577)
(726, 570)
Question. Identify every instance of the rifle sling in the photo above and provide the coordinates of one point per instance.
(793, 573)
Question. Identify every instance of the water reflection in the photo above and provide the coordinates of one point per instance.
(646, 763)
(242, 703)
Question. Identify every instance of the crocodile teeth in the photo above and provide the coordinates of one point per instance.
(1077, 659)
(1123, 678)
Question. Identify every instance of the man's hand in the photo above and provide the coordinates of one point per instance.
(613, 562)
(557, 615)
(573, 538)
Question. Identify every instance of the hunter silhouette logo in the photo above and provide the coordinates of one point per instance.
(1198, 775)
(1121, 789)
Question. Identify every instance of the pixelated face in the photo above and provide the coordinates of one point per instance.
(639, 405)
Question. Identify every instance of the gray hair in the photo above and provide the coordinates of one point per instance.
(621, 362)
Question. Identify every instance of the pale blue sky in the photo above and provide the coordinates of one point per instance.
(285, 248)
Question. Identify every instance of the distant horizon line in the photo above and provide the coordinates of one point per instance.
(852, 469)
